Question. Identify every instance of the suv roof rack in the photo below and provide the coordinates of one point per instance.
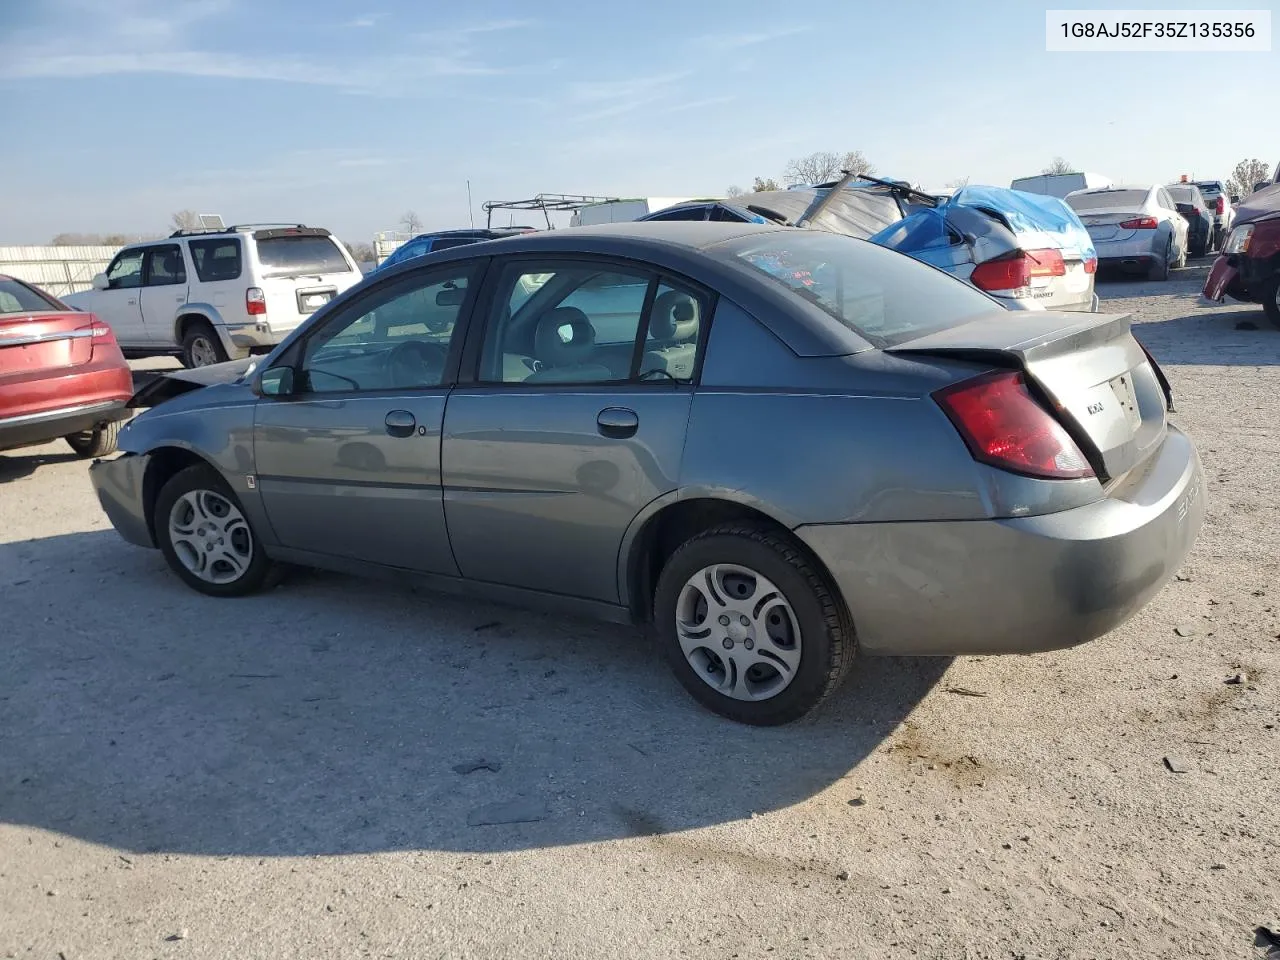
(546, 202)
(239, 228)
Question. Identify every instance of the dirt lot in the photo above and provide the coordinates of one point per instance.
(275, 777)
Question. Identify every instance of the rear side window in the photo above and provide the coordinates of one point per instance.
(885, 297)
(216, 259)
(17, 297)
(300, 256)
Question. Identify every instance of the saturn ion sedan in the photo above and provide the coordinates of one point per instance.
(780, 448)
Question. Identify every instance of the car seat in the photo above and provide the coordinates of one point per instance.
(673, 330)
(565, 342)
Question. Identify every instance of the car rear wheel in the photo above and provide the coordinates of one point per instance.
(205, 536)
(98, 442)
(1160, 269)
(1271, 300)
(201, 346)
(750, 627)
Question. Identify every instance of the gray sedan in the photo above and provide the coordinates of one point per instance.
(780, 448)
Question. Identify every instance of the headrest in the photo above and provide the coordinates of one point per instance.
(675, 317)
(564, 337)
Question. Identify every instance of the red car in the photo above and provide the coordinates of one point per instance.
(61, 374)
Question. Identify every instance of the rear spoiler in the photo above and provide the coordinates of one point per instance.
(276, 232)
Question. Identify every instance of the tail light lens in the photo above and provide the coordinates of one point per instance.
(255, 302)
(1139, 223)
(1091, 265)
(1014, 270)
(1219, 205)
(1046, 263)
(1003, 425)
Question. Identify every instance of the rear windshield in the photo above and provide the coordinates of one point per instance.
(1107, 198)
(1208, 188)
(885, 297)
(299, 256)
(1182, 194)
(17, 297)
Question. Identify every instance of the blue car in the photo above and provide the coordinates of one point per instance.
(425, 243)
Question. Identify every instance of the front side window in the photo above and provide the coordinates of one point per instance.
(587, 323)
(216, 260)
(125, 271)
(165, 266)
(398, 340)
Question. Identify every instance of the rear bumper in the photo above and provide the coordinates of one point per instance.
(1019, 585)
(33, 428)
(244, 338)
(118, 482)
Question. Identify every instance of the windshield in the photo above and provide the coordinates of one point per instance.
(885, 297)
(1103, 199)
(297, 256)
(17, 297)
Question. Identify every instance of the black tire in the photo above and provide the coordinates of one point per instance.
(198, 341)
(828, 644)
(1160, 271)
(98, 442)
(1271, 300)
(259, 572)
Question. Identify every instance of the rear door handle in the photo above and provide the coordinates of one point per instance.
(617, 422)
(400, 423)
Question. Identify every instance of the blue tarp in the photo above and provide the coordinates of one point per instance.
(1037, 220)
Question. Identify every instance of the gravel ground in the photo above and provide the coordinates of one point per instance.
(275, 776)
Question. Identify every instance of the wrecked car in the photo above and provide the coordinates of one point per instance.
(1248, 268)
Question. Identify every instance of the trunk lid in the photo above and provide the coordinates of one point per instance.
(1106, 226)
(1096, 377)
(32, 344)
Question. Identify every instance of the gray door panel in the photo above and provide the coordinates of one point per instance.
(541, 485)
(357, 477)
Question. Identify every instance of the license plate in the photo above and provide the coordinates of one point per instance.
(311, 302)
(1122, 387)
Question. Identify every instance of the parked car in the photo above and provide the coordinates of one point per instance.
(784, 434)
(1218, 198)
(212, 295)
(1060, 184)
(620, 211)
(62, 375)
(426, 243)
(1191, 204)
(1021, 248)
(1249, 267)
(1134, 228)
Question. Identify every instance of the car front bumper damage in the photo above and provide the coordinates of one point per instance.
(119, 484)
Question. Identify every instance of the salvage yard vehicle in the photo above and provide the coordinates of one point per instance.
(780, 448)
(1191, 204)
(211, 295)
(1249, 267)
(1060, 184)
(426, 243)
(1137, 229)
(61, 374)
(1224, 214)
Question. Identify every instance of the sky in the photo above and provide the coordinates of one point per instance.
(348, 114)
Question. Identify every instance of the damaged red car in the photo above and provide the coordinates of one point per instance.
(62, 374)
(1248, 269)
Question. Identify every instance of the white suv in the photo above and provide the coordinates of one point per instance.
(212, 296)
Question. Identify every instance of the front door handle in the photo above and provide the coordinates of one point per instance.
(617, 423)
(132, 300)
(400, 423)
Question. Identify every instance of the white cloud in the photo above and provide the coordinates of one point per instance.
(736, 41)
(369, 20)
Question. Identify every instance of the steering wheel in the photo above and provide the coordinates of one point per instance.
(416, 363)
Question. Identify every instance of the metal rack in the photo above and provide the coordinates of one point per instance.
(546, 202)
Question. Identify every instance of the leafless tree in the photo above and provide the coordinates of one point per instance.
(360, 252)
(184, 220)
(733, 191)
(411, 222)
(1246, 174)
(764, 185)
(1059, 165)
(825, 166)
(957, 183)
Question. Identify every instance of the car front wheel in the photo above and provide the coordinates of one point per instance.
(206, 538)
(749, 625)
(1271, 300)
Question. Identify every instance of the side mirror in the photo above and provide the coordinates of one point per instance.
(274, 382)
(100, 282)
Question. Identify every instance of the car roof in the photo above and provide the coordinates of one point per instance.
(640, 235)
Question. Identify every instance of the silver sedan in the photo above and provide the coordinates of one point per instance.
(1134, 229)
(779, 448)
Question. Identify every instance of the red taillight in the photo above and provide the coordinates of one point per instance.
(1046, 263)
(1139, 223)
(1006, 272)
(1220, 205)
(1091, 265)
(1003, 425)
(255, 302)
